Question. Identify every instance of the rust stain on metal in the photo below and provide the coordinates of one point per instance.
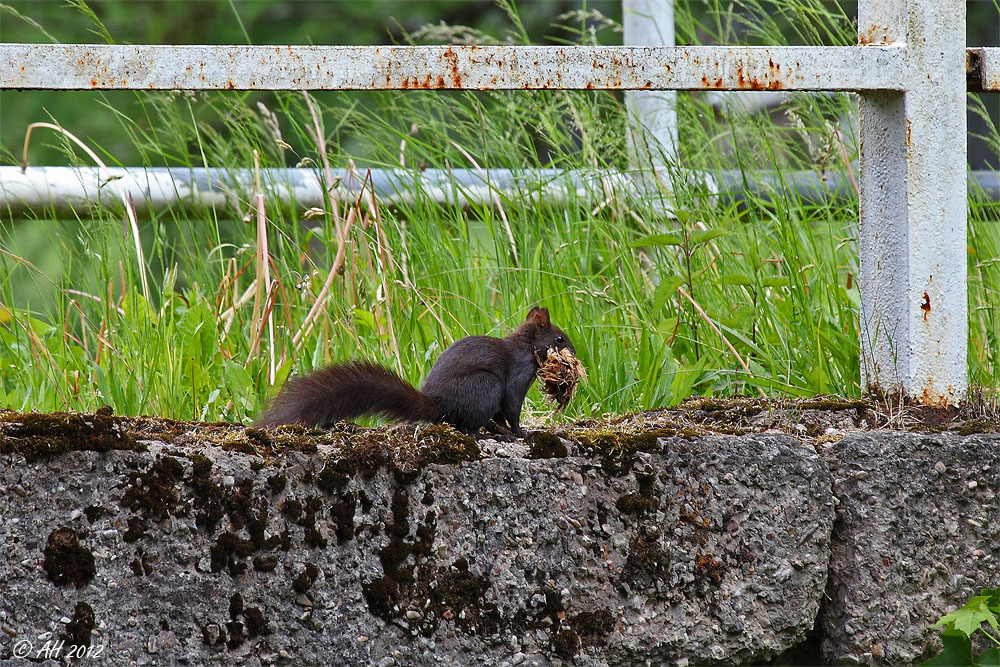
(771, 80)
(926, 305)
(454, 67)
(875, 34)
(933, 399)
(451, 60)
(754, 83)
(419, 84)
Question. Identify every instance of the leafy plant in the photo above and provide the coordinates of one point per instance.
(979, 615)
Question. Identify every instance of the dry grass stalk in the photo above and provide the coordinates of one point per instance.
(384, 262)
(124, 196)
(327, 170)
(324, 293)
(496, 201)
(704, 316)
(263, 298)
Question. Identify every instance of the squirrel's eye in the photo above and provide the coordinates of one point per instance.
(560, 339)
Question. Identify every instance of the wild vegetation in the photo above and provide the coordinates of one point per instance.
(744, 292)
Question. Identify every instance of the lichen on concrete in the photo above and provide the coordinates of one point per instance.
(684, 534)
(410, 542)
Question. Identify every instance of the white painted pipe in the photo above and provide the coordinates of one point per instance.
(652, 113)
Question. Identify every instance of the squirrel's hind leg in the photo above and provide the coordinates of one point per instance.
(471, 402)
(499, 425)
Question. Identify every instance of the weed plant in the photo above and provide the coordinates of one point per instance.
(746, 294)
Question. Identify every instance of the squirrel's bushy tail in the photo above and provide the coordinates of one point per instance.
(346, 391)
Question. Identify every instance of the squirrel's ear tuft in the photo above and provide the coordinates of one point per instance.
(538, 316)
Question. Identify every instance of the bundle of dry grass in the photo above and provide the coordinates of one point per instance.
(559, 373)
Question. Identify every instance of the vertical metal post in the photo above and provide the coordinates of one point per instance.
(652, 114)
(913, 199)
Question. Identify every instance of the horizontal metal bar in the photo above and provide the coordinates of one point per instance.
(983, 68)
(72, 190)
(67, 189)
(165, 67)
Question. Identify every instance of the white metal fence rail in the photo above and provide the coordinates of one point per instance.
(165, 67)
(909, 69)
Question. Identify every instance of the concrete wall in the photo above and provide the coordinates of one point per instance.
(604, 547)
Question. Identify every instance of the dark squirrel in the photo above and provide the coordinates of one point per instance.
(475, 380)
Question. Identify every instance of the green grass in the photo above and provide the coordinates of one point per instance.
(773, 277)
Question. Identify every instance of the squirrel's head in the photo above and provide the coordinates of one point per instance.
(545, 334)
